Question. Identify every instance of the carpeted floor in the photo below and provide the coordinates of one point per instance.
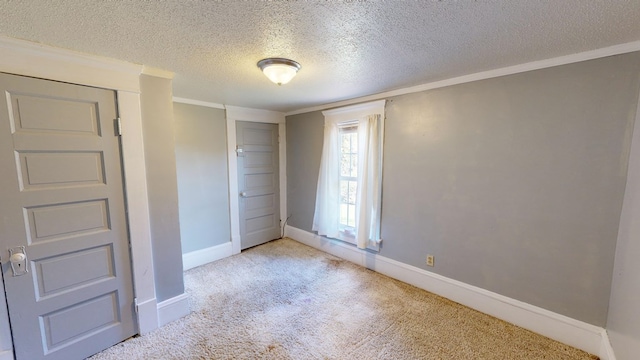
(284, 300)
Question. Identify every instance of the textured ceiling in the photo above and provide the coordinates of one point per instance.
(347, 49)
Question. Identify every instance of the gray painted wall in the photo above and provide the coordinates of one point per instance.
(203, 185)
(623, 322)
(158, 131)
(515, 184)
(304, 149)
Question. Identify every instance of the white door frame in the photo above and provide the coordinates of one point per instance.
(235, 113)
(35, 60)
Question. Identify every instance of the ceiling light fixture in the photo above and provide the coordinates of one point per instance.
(279, 70)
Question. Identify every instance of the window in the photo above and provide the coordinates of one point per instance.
(348, 200)
(348, 179)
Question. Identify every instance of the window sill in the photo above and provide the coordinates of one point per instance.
(349, 237)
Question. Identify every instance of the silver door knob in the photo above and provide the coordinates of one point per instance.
(243, 194)
(18, 258)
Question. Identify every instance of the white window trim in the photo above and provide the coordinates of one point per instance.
(353, 112)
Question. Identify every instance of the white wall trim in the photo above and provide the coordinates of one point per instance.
(282, 156)
(234, 202)
(135, 179)
(198, 102)
(30, 59)
(204, 256)
(534, 65)
(147, 316)
(173, 309)
(156, 72)
(606, 350)
(556, 326)
(255, 115)
(347, 112)
(235, 113)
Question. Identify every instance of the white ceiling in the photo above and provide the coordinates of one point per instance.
(347, 49)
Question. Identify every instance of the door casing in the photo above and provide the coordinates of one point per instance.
(234, 114)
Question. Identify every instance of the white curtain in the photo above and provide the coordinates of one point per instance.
(327, 214)
(369, 190)
(369, 193)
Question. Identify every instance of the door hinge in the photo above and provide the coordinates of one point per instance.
(118, 127)
(135, 304)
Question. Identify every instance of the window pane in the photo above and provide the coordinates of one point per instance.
(354, 142)
(352, 216)
(344, 191)
(348, 173)
(354, 165)
(344, 213)
(345, 165)
(345, 143)
(353, 186)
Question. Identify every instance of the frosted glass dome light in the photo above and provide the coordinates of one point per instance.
(279, 70)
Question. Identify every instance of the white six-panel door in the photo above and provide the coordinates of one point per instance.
(63, 201)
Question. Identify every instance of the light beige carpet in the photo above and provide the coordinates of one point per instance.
(284, 300)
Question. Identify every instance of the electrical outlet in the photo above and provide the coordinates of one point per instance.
(430, 260)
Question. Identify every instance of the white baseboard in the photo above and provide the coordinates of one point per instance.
(581, 335)
(205, 256)
(173, 309)
(606, 350)
(147, 316)
(236, 244)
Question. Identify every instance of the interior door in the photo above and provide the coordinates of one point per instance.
(258, 182)
(63, 201)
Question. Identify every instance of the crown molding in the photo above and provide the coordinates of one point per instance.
(510, 70)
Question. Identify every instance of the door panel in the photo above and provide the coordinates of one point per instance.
(48, 222)
(47, 169)
(258, 181)
(38, 113)
(63, 200)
